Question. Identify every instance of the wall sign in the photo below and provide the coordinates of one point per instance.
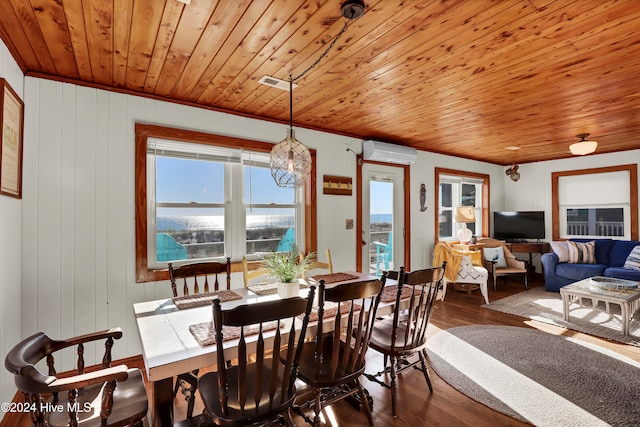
(12, 125)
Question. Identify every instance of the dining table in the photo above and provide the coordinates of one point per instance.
(168, 329)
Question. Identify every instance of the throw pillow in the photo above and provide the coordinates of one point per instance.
(561, 249)
(582, 253)
(495, 254)
(633, 260)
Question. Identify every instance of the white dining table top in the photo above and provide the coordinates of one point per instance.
(169, 348)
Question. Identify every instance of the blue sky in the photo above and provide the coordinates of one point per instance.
(186, 180)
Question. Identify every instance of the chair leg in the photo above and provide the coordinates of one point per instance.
(526, 281)
(495, 283)
(364, 401)
(317, 407)
(393, 386)
(425, 370)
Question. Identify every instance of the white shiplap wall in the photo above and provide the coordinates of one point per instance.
(10, 248)
(79, 237)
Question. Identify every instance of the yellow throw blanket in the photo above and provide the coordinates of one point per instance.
(443, 252)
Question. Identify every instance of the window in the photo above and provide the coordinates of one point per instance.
(457, 188)
(208, 197)
(595, 203)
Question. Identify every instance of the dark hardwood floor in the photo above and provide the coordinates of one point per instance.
(416, 406)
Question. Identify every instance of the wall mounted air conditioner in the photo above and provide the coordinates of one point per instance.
(390, 153)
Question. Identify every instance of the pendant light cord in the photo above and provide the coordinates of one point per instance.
(325, 53)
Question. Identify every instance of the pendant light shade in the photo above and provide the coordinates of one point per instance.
(290, 161)
(290, 158)
(583, 146)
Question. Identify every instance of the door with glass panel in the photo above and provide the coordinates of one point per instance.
(382, 218)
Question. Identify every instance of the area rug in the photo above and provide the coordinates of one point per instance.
(538, 304)
(536, 377)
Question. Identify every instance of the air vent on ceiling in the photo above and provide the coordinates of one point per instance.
(277, 83)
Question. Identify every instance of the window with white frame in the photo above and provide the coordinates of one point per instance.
(458, 190)
(210, 202)
(595, 205)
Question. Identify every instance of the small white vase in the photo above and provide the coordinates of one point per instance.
(288, 290)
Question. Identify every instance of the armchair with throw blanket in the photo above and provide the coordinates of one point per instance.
(463, 267)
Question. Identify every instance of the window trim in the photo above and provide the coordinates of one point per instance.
(633, 195)
(144, 131)
(485, 197)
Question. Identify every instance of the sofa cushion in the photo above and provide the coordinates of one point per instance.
(622, 273)
(579, 271)
(582, 253)
(620, 251)
(633, 260)
(603, 246)
(561, 249)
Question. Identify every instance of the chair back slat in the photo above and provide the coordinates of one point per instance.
(198, 273)
(357, 304)
(413, 325)
(257, 382)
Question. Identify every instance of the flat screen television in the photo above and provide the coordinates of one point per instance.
(518, 226)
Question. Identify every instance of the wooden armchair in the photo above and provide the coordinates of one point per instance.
(259, 385)
(193, 276)
(403, 335)
(333, 360)
(512, 265)
(109, 396)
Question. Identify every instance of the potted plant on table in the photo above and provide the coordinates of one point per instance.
(287, 268)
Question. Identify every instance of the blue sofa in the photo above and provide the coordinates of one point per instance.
(610, 257)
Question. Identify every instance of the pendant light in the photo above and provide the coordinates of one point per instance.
(290, 158)
(583, 146)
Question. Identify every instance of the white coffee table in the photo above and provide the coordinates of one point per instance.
(626, 296)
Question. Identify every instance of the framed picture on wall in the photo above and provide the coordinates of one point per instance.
(12, 126)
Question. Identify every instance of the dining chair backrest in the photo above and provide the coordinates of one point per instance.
(109, 395)
(354, 311)
(249, 274)
(255, 381)
(412, 310)
(316, 265)
(198, 273)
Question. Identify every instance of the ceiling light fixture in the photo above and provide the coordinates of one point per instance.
(290, 158)
(583, 146)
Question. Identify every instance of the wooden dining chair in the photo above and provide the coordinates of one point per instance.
(107, 396)
(249, 275)
(315, 264)
(259, 385)
(194, 276)
(403, 335)
(333, 360)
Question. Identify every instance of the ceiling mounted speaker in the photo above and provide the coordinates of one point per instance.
(513, 173)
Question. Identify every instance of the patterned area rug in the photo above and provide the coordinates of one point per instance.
(536, 377)
(538, 304)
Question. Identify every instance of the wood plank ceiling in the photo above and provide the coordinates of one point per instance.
(468, 78)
